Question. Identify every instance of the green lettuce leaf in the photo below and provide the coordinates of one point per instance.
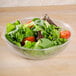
(12, 40)
(43, 43)
(29, 44)
(29, 32)
(12, 26)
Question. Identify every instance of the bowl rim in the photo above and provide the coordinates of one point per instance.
(45, 49)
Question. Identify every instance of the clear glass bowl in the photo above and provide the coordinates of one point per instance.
(40, 53)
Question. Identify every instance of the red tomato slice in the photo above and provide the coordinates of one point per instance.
(31, 38)
(31, 25)
(65, 34)
(28, 22)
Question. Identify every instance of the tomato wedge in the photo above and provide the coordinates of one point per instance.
(28, 22)
(65, 34)
(31, 38)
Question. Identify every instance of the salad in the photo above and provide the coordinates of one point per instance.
(36, 34)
